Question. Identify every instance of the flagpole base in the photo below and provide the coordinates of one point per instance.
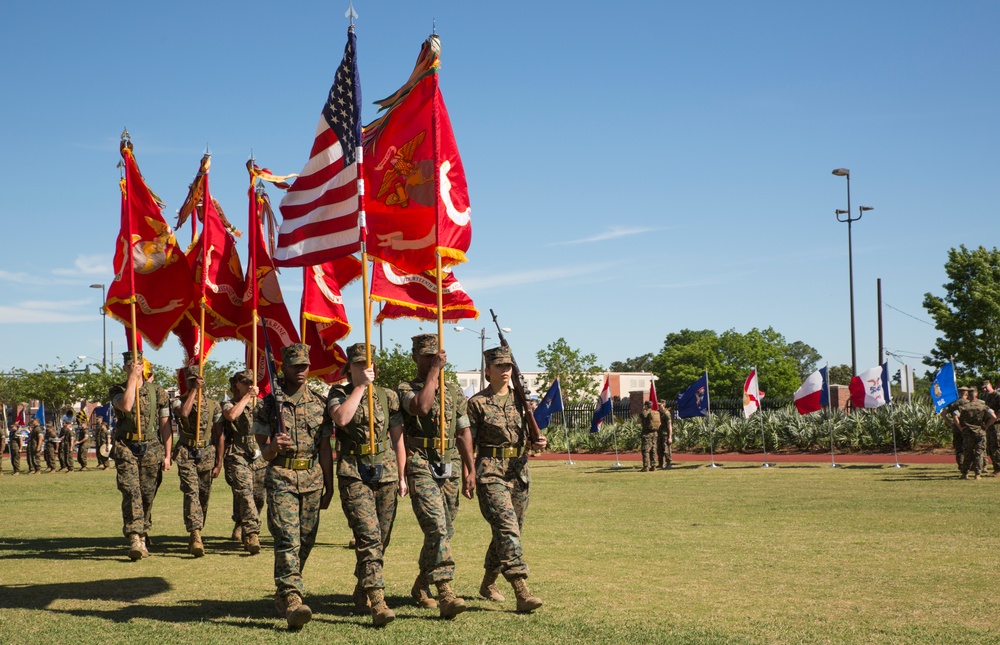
(768, 465)
(835, 465)
(617, 465)
(570, 463)
(898, 465)
(713, 465)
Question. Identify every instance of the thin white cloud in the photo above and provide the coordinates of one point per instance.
(49, 313)
(49, 305)
(533, 276)
(88, 265)
(22, 278)
(613, 233)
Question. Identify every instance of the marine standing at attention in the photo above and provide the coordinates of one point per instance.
(433, 469)
(198, 454)
(500, 435)
(294, 431)
(141, 452)
(368, 480)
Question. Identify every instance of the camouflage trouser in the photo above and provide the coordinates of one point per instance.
(66, 455)
(956, 443)
(15, 456)
(240, 476)
(973, 450)
(50, 456)
(370, 510)
(3, 447)
(138, 482)
(435, 503)
(293, 520)
(504, 506)
(664, 456)
(993, 446)
(101, 460)
(648, 449)
(34, 460)
(196, 484)
(82, 449)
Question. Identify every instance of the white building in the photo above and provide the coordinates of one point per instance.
(621, 383)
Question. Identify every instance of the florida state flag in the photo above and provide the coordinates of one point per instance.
(415, 296)
(150, 269)
(416, 196)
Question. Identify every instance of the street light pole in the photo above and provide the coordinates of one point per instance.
(104, 318)
(482, 351)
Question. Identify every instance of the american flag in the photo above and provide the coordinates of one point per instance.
(320, 210)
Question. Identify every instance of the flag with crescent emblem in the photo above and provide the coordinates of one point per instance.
(416, 197)
(415, 295)
(150, 269)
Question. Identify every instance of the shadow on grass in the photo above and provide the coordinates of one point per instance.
(117, 589)
(64, 548)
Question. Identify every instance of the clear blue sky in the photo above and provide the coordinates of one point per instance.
(635, 168)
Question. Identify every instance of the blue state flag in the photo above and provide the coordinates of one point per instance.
(944, 390)
(693, 402)
(40, 414)
(551, 402)
(103, 413)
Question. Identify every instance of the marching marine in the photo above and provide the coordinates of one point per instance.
(143, 439)
(433, 470)
(198, 454)
(500, 435)
(241, 456)
(293, 431)
(368, 480)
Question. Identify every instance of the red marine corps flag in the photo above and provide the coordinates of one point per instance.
(415, 296)
(152, 286)
(417, 201)
(324, 319)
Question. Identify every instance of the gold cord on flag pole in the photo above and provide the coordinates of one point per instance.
(440, 320)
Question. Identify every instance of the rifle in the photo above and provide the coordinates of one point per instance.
(519, 395)
(272, 374)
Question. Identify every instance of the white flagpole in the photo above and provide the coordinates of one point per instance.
(892, 420)
(614, 428)
(760, 413)
(708, 403)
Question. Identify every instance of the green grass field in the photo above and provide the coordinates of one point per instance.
(737, 554)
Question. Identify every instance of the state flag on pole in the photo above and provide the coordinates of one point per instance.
(321, 208)
(149, 267)
(551, 402)
(814, 393)
(751, 394)
(417, 200)
(871, 389)
(652, 394)
(944, 389)
(693, 402)
(603, 406)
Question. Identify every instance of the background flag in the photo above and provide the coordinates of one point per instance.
(551, 402)
(652, 395)
(871, 389)
(693, 402)
(944, 389)
(320, 210)
(147, 252)
(814, 393)
(416, 200)
(751, 390)
(603, 406)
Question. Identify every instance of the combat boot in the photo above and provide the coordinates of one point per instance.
(251, 544)
(488, 589)
(237, 535)
(361, 603)
(381, 614)
(525, 601)
(645, 469)
(142, 544)
(135, 547)
(451, 605)
(195, 546)
(280, 606)
(297, 614)
(421, 593)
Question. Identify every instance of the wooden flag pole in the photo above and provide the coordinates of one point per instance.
(127, 146)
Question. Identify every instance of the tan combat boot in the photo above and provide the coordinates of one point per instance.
(280, 606)
(525, 601)
(251, 544)
(421, 593)
(381, 614)
(134, 547)
(237, 535)
(361, 603)
(451, 605)
(195, 546)
(488, 589)
(142, 544)
(296, 613)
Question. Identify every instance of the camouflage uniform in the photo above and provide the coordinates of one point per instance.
(434, 499)
(500, 434)
(34, 449)
(664, 453)
(82, 447)
(242, 458)
(195, 456)
(100, 439)
(51, 446)
(294, 481)
(650, 421)
(139, 459)
(973, 418)
(370, 507)
(4, 433)
(956, 432)
(14, 446)
(66, 447)
(992, 401)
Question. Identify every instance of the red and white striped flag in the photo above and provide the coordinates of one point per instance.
(321, 208)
